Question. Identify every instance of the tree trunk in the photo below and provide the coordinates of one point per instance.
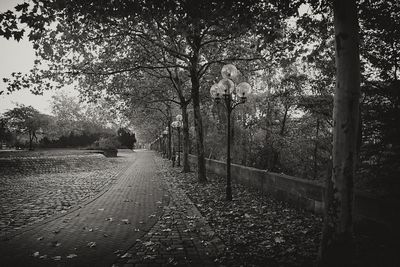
(244, 141)
(316, 151)
(169, 150)
(282, 131)
(186, 144)
(228, 152)
(30, 140)
(337, 245)
(276, 153)
(201, 164)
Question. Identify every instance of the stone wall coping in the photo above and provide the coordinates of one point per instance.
(282, 175)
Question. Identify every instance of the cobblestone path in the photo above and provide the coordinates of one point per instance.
(96, 233)
(28, 197)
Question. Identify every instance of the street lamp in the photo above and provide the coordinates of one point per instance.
(178, 125)
(233, 93)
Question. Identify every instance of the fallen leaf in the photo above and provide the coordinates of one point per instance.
(126, 221)
(126, 255)
(70, 256)
(56, 258)
(149, 257)
(55, 244)
(148, 243)
(91, 244)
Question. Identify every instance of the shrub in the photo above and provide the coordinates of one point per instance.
(108, 143)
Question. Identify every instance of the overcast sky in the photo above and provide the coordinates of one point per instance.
(18, 57)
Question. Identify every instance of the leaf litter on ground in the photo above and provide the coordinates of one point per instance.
(257, 230)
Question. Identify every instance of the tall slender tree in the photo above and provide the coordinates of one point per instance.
(337, 245)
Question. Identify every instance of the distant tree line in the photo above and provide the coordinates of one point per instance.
(73, 125)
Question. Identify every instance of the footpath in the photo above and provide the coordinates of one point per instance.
(140, 220)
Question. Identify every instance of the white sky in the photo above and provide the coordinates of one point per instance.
(18, 57)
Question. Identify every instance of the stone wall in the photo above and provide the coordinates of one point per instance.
(370, 212)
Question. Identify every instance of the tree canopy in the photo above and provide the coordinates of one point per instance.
(26, 120)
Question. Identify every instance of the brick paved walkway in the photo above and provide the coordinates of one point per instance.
(142, 220)
(181, 237)
(94, 234)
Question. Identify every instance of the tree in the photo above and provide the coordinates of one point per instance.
(80, 124)
(126, 138)
(26, 119)
(5, 133)
(337, 246)
(155, 89)
(68, 112)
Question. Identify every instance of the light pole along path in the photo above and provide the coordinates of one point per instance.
(233, 95)
(94, 234)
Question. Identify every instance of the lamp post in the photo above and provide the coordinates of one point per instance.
(165, 148)
(233, 94)
(178, 125)
(160, 144)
